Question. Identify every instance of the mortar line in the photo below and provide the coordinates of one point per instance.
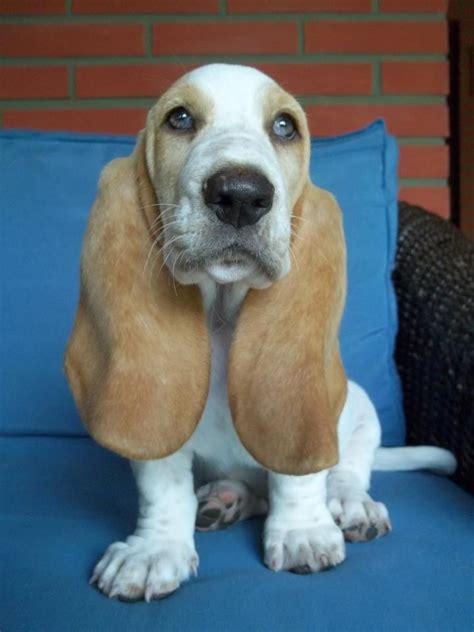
(377, 78)
(148, 40)
(222, 17)
(301, 36)
(139, 101)
(243, 57)
(71, 81)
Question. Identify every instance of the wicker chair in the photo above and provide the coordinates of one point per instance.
(434, 281)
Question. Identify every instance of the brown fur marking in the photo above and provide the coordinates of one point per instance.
(138, 357)
(286, 382)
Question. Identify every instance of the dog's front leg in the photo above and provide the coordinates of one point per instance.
(160, 554)
(300, 534)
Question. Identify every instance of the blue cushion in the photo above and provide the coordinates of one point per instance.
(64, 500)
(47, 184)
(361, 170)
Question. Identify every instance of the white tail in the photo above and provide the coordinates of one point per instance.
(421, 457)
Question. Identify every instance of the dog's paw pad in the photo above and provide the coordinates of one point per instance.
(363, 531)
(224, 503)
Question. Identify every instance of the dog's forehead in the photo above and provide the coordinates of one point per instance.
(234, 91)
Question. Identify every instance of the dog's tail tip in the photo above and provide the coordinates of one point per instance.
(423, 457)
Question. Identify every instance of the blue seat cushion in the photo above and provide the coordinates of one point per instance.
(65, 499)
(47, 185)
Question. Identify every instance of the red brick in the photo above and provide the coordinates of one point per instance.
(417, 77)
(131, 80)
(320, 78)
(33, 82)
(51, 40)
(110, 121)
(151, 80)
(424, 161)
(224, 37)
(434, 199)
(145, 6)
(375, 37)
(32, 7)
(402, 120)
(414, 6)
(298, 6)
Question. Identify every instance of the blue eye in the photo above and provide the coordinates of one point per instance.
(284, 127)
(180, 119)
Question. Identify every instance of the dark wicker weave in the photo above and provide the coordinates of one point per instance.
(434, 281)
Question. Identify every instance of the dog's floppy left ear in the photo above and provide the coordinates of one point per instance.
(138, 357)
(286, 382)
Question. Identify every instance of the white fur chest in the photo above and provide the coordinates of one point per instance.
(215, 443)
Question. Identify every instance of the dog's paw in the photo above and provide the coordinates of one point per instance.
(223, 503)
(144, 569)
(359, 517)
(303, 549)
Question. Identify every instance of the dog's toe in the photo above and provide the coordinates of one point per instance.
(361, 519)
(303, 550)
(144, 569)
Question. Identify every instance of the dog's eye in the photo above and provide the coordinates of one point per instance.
(180, 119)
(284, 127)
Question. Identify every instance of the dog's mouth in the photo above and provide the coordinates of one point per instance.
(232, 256)
(199, 245)
(229, 264)
(229, 256)
(232, 261)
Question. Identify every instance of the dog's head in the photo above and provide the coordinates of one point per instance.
(227, 152)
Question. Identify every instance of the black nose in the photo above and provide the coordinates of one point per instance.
(238, 196)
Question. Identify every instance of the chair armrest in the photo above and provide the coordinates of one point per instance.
(434, 282)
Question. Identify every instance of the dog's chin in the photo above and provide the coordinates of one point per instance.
(231, 271)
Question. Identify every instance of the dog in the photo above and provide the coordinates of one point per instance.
(205, 346)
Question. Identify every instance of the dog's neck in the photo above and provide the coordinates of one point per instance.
(222, 303)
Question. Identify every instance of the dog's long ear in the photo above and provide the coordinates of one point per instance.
(286, 382)
(138, 358)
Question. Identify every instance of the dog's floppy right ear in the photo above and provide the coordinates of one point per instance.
(287, 384)
(138, 358)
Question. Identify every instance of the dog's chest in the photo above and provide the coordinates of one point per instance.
(217, 447)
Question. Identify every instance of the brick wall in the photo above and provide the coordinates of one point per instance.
(97, 65)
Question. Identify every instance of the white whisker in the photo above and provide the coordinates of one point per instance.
(157, 254)
(172, 272)
(165, 259)
(163, 227)
(160, 217)
(302, 219)
(294, 259)
(157, 237)
(140, 208)
(297, 236)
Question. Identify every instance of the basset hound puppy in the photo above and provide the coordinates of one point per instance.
(205, 347)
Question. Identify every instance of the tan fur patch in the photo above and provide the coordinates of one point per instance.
(168, 150)
(293, 156)
(286, 382)
(137, 346)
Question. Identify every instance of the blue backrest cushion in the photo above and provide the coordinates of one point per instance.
(48, 182)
